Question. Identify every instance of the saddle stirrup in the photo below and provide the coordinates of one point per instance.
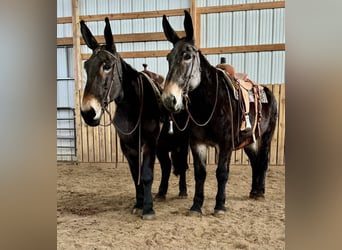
(248, 122)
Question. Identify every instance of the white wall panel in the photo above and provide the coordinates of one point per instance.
(125, 6)
(67, 29)
(212, 30)
(149, 25)
(278, 62)
(251, 65)
(60, 11)
(238, 60)
(226, 28)
(239, 1)
(252, 27)
(64, 8)
(91, 7)
(213, 3)
(116, 26)
(102, 7)
(239, 26)
(150, 46)
(60, 31)
(114, 6)
(204, 35)
(266, 27)
(138, 5)
(149, 5)
(279, 26)
(265, 66)
(162, 66)
(226, 2)
(201, 3)
(161, 5)
(61, 63)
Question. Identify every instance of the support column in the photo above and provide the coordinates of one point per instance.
(77, 76)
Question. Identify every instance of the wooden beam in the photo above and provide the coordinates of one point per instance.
(205, 51)
(61, 20)
(124, 38)
(178, 12)
(133, 15)
(137, 54)
(241, 7)
(124, 16)
(246, 48)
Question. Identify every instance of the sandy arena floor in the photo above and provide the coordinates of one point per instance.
(94, 202)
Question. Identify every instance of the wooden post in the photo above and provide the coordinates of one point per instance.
(195, 22)
(77, 75)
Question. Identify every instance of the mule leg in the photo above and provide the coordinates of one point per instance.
(132, 158)
(147, 180)
(199, 152)
(259, 157)
(165, 165)
(222, 174)
(180, 162)
(258, 152)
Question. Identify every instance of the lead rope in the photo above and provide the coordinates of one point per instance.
(212, 112)
(177, 125)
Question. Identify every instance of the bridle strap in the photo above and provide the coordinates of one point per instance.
(106, 101)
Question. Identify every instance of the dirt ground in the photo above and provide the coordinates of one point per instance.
(94, 203)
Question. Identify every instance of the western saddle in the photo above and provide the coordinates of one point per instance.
(244, 86)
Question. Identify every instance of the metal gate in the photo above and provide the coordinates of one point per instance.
(66, 134)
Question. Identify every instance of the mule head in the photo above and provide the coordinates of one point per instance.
(184, 65)
(103, 70)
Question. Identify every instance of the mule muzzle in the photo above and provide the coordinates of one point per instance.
(88, 117)
(171, 104)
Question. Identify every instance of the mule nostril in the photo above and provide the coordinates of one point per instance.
(173, 100)
(89, 114)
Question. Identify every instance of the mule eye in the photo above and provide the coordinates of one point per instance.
(106, 67)
(186, 56)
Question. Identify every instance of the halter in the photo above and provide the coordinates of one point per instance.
(105, 102)
(185, 96)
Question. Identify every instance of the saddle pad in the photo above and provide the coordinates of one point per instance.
(263, 97)
(156, 88)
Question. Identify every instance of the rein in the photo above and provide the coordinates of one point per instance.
(212, 112)
(187, 100)
(106, 101)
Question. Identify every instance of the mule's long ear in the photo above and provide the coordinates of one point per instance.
(109, 36)
(189, 29)
(170, 34)
(88, 36)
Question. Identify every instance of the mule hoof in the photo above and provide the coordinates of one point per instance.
(257, 195)
(137, 211)
(193, 213)
(148, 216)
(183, 195)
(219, 213)
(160, 197)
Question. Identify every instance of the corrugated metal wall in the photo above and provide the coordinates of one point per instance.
(66, 134)
(238, 28)
(157, 64)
